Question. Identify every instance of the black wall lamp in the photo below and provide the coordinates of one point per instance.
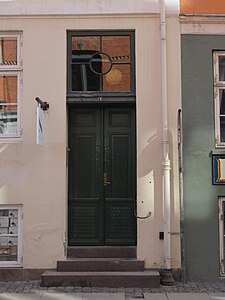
(44, 105)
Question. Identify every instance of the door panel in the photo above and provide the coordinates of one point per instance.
(85, 192)
(102, 176)
(120, 168)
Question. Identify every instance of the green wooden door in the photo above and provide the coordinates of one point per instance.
(102, 176)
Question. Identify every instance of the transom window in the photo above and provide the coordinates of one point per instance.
(100, 63)
(10, 85)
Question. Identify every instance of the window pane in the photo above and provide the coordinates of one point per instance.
(8, 248)
(84, 43)
(91, 71)
(8, 89)
(8, 235)
(222, 101)
(83, 79)
(221, 68)
(8, 51)
(118, 47)
(8, 104)
(118, 79)
(83, 48)
(222, 129)
(8, 119)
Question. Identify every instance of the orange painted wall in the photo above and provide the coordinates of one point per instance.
(202, 6)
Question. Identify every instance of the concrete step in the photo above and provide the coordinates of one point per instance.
(102, 252)
(145, 279)
(100, 264)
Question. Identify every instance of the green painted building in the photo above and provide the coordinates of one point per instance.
(202, 114)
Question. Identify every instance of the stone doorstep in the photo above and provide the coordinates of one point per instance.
(100, 264)
(144, 279)
(18, 274)
(101, 252)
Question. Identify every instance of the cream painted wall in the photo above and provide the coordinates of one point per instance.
(149, 181)
(36, 176)
(84, 7)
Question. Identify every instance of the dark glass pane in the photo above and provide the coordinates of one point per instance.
(101, 67)
(222, 129)
(4, 212)
(222, 102)
(221, 68)
(101, 63)
(83, 79)
(82, 56)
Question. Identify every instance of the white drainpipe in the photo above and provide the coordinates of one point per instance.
(166, 160)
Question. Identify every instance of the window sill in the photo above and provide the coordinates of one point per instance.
(10, 264)
(220, 146)
(10, 140)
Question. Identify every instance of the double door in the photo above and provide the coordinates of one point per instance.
(102, 184)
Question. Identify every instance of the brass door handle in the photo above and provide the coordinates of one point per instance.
(105, 180)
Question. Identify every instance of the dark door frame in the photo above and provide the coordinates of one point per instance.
(102, 99)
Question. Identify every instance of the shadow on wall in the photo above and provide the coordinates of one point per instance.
(201, 218)
(11, 165)
(150, 170)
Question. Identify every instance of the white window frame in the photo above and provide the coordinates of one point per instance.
(19, 261)
(14, 70)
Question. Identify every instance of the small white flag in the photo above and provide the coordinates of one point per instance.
(40, 126)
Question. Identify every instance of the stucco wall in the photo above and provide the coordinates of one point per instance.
(84, 7)
(36, 176)
(200, 196)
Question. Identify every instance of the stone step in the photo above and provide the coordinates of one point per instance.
(145, 279)
(102, 251)
(100, 264)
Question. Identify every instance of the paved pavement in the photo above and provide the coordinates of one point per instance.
(29, 290)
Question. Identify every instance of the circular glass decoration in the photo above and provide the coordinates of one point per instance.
(100, 63)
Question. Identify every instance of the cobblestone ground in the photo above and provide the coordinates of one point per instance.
(189, 287)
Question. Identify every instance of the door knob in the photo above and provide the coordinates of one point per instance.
(105, 179)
